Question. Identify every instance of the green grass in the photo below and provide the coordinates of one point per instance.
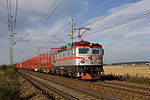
(9, 85)
(127, 78)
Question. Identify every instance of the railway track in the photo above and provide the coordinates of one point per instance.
(48, 95)
(64, 90)
(125, 87)
(121, 91)
(40, 84)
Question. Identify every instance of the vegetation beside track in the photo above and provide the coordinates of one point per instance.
(9, 85)
(127, 78)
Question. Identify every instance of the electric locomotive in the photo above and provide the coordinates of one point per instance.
(80, 59)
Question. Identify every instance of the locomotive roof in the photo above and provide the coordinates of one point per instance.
(81, 43)
(85, 43)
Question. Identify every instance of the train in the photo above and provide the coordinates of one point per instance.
(83, 60)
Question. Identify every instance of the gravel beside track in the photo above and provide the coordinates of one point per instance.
(96, 87)
(28, 91)
(137, 89)
(71, 92)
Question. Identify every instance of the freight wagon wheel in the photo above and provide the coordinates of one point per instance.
(53, 72)
(57, 72)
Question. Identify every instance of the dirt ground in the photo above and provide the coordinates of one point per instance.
(131, 70)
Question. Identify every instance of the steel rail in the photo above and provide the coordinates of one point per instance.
(29, 80)
(100, 96)
(123, 87)
(61, 93)
(126, 85)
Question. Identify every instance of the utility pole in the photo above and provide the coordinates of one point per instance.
(72, 26)
(72, 31)
(12, 41)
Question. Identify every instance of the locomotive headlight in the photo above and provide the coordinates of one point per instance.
(99, 61)
(82, 61)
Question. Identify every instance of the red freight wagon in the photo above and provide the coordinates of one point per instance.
(41, 62)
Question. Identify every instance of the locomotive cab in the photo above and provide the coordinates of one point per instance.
(90, 64)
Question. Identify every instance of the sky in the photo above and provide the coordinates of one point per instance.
(111, 24)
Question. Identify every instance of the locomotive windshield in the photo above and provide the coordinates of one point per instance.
(83, 50)
(96, 51)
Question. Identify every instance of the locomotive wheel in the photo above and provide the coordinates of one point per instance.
(65, 73)
(73, 75)
(79, 78)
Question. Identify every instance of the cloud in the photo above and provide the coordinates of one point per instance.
(39, 6)
(140, 31)
(3, 41)
(59, 25)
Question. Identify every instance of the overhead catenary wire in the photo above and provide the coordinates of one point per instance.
(64, 29)
(92, 11)
(108, 6)
(21, 38)
(10, 7)
(120, 9)
(46, 20)
(8, 11)
(54, 42)
(51, 13)
(96, 7)
(36, 25)
(44, 16)
(121, 23)
(40, 25)
(59, 39)
(15, 15)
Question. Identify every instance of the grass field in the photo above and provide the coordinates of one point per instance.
(141, 71)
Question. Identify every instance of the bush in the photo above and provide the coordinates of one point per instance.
(111, 77)
(9, 86)
(3, 67)
(9, 90)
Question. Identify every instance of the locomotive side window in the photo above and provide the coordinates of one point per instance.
(74, 51)
(83, 50)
